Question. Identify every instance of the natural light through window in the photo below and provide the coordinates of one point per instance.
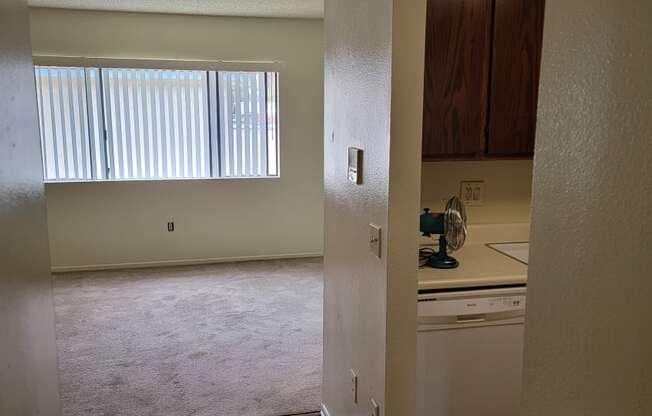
(126, 124)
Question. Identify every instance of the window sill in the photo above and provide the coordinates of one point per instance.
(162, 180)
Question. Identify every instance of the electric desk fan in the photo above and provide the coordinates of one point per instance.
(450, 225)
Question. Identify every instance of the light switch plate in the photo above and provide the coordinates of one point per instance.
(375, 239)
(472, 193)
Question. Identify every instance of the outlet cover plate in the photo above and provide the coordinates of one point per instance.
(472, 193)
(375, 240)
(354, 386)
(375, 408)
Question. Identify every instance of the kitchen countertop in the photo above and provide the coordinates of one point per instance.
(480, 265)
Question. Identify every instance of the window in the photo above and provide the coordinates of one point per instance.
(123, 124)
(156, 123)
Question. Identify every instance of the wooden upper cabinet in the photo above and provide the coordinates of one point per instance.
(516, 58)
(481, 78)
(458, 39)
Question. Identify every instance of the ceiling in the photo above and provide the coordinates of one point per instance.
(253, 8)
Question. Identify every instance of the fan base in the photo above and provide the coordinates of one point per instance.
(443, 262)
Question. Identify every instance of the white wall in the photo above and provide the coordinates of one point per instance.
(508, 188)
(99, 224)
(373, 101)
(28, 356)
(589, 314)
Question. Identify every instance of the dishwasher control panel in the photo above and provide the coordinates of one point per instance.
(433, 306)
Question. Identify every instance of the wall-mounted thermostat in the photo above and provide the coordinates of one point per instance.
(355, 165)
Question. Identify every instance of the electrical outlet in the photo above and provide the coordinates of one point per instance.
(375, 408)
(354, 386)
(472, 193)
(374, 239)
(170, 226)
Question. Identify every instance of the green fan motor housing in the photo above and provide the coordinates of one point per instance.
(433, 223)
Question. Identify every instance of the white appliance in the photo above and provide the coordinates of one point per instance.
(470, 352)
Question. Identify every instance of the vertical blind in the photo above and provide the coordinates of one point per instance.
(121, 123)
(157, 123)
(63, 122)
(247, 124)
(272, 122)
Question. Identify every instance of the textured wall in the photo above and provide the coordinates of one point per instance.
(260, 8)
(126, 222)
(588, 337)
(28, 362)
(373, 84)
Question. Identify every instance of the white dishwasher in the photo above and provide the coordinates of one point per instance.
(470, 351)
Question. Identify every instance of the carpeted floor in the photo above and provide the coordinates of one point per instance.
(242, 339)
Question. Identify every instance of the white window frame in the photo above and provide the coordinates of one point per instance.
(199, 65)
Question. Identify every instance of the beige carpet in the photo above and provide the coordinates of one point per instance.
(239, 339)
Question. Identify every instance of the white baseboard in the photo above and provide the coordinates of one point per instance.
(324, 410)
(181, 262)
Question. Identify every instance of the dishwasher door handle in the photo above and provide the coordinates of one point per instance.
(471, 319)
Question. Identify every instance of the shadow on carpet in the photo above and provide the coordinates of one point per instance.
(239, 339)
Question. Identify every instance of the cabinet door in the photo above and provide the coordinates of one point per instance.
(458, 42)
(516, 61)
